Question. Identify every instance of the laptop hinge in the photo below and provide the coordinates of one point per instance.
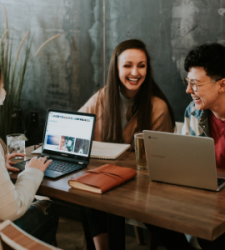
(65, 159)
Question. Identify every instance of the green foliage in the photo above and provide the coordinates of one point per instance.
(13, 74)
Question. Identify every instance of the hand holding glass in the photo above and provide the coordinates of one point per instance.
(16, 144)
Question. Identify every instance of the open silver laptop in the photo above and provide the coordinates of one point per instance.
(182, 160)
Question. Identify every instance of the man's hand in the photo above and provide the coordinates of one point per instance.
(8, 162)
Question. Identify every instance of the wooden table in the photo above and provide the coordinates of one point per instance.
(192, 211)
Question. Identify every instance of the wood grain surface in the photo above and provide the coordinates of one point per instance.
(22, 240)
(192, 211)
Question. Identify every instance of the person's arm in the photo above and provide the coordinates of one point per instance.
(187, 128)
(94, 105)
(16, 199)
(90, 105)
(161, 120)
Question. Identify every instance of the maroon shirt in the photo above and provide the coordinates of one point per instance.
(217, 131)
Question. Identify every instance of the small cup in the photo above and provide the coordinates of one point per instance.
(140, 151)
(16, 144)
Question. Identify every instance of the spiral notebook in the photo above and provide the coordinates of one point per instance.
(106, 150)
(102, 150)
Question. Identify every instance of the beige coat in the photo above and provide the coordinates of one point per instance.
(16, 199)
(161, 120)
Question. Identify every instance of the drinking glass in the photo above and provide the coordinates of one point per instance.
(16, 144)
(140, 151)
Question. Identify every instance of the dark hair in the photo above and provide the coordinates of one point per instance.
(112, 129)
(210, 56)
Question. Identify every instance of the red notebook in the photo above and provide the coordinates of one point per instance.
(102, 179)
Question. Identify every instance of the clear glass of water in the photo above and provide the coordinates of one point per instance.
(16, 144)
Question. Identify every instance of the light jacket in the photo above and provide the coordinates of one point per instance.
(196, 122)
(16, 199)
(161, 120)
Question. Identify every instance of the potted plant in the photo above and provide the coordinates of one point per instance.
(14, 71)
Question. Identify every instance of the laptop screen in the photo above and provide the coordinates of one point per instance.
(68, 134)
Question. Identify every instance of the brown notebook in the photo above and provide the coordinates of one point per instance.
(102, 179)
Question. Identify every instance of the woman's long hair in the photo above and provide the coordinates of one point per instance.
(112, 129)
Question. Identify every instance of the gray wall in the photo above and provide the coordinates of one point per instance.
(69, 70)
(73, 67)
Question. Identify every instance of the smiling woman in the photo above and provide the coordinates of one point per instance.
(132, 70)
(130, 102)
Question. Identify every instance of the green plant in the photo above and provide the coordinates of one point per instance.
(13, 76)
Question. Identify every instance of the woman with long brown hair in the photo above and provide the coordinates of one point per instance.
(130, 102)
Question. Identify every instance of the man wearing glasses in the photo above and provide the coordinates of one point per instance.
(205, 82)
(205, 116)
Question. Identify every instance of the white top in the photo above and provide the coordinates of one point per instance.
(16, 199)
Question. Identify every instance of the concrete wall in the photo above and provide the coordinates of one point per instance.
(170, 28)
(74, 66)
(69, 70)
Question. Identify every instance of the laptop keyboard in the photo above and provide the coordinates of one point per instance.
(220, 181)
(64, 167)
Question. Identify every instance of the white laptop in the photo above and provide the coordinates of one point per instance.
(182, 160)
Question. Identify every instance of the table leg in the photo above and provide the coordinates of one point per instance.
(116, 232)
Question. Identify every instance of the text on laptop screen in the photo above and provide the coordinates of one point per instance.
(70, 133)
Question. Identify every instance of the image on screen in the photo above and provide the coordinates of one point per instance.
(67, 143)
(81, 146)
(53, 140)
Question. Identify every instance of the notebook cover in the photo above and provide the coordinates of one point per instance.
(103, 178)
